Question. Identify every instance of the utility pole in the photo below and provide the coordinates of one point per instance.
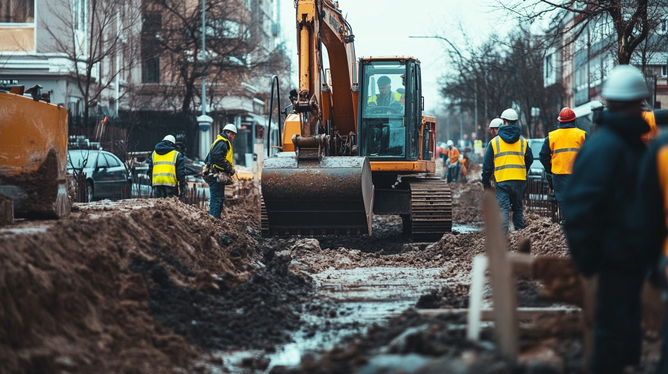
(204, 121)
(475, 129)
(461, 120)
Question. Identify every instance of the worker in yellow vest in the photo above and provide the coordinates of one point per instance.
(220, 160)
(508, 157)
(558, 152)
(167, 168)
(385, 97)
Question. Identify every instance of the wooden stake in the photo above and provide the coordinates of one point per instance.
(503, 280)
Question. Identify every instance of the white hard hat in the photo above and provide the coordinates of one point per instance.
(230, 127)
(495, 123)
(625, 83)
(510, 115)
(449, 143)
(169, 138)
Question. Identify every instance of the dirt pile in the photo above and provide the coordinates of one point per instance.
(129, 287)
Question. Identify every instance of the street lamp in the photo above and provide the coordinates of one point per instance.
(204, 121)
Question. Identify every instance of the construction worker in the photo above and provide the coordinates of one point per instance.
(494, 126)
(385, 97)
(653, 195)
(220, 160)
(453, 165)
(167, 168)
(559, 151)
(602, 220)
(508, 157)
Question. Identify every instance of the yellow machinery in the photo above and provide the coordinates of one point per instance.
(33, 154)
(351, 149)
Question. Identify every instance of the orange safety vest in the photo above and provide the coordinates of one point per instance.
(453, 154)
(565, 144)
(662, 170)
(509, 159)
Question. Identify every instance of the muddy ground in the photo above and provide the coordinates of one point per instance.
(148, 286)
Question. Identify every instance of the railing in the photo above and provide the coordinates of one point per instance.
(538, 199)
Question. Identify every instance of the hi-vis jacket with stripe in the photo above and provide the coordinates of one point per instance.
(508, 157)
(560, 148)
(167, 166)
(392, 97)
(221, 155)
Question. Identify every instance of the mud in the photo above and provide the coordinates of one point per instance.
(39, 189)
(139, 286)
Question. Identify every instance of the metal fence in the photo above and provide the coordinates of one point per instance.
(539, 200)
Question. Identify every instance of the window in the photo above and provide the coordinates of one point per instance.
(112, 161)
(79, 15)
(102, 161)
(17, 11)
(548, 66)
(664, 70)
(662, 27)
(151, 70)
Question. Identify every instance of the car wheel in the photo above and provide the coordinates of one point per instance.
(89, 192)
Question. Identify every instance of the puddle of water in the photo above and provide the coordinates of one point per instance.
(467, 228)
(365, 296)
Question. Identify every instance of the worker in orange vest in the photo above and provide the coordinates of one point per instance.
(559, 151)
(453, 166)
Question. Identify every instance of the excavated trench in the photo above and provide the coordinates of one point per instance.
(146, 286)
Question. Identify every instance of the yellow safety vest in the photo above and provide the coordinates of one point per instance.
(395, 95)
(565, 144)
(229, 156)
(164, 169)
(509, 160)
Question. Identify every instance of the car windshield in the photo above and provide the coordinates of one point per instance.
(76, 157)
(383, 109)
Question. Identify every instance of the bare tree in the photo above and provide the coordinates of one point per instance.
(97, 38)
(624, 24)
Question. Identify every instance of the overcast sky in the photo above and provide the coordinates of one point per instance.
(383, 27)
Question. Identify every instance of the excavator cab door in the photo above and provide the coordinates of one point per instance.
(390, 109)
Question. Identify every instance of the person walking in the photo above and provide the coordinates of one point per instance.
(220, 160)
(167, 168)
(508, 157)
(603, 222)
(494, 126)
(453, 164)
(558, 153)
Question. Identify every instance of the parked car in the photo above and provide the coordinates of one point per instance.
(536, 171)
(106, 176)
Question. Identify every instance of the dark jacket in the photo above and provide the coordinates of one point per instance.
(601, 213)
(165, 147)
(509, 134)
(218, 156)
(652, 202)
(545, 154)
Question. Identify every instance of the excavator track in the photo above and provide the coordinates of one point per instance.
(264, 220)
(431, 210)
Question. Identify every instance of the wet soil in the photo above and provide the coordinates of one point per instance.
(39, 189)
(153, 285)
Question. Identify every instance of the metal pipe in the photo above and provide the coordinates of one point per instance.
(203, 56)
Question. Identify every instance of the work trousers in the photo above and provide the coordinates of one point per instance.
(216, 198)
(509, 195)
(617, 331)
(453, 172)
(165, 191)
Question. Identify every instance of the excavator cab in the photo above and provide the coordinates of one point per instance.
(391, 115)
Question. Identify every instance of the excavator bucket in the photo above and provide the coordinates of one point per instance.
(33, 156)
(333, 196)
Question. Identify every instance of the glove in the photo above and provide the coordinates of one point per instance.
(232, 172)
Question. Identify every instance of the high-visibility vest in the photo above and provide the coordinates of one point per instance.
(229, 156)
(453, 154)
(395, 95)
(653, 132)
(565, 144)
(164, 169)
(662, 170)
(509, 159)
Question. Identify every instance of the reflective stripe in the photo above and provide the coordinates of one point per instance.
(565, 143)
(164, 169)
(566, 150)
(509, 161)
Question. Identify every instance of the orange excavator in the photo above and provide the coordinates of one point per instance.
(33, 153)
(356, 144)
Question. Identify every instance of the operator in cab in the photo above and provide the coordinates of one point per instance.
(385, 97)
